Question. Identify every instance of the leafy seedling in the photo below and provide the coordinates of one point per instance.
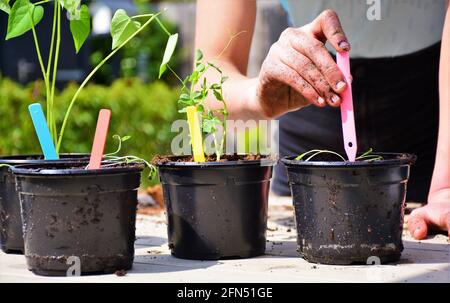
(195, 90)
(113, 159)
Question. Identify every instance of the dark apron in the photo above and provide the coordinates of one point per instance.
(396, 103)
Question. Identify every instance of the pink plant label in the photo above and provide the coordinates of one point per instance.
(347, 115)
(101, 133)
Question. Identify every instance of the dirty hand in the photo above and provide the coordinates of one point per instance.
(299, 70)
(434, 215)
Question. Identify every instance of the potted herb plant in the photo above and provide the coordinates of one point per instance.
(346, 212)
(51, 227)
(217, 206)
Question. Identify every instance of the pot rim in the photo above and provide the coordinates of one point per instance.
(407, 159)
(37, 170)
(24, 158)
(269, 161)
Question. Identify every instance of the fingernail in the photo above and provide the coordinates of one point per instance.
(344, 45)
(321, 100)
(340, 85)
(335, 98)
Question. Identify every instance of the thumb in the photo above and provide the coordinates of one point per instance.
(328, 27)
(417, 225)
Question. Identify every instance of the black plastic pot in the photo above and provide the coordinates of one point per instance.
(216, 210)
(11, 238)
(346, 212)
(72, 212)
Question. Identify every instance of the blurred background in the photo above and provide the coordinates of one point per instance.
(143, 106)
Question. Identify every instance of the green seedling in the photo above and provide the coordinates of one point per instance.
(196, 88)
(114, 159)
(366, 156)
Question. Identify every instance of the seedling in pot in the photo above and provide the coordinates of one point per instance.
(195, 89)
(214, 203)
(111, 191)
(112, 159)
(366, 156)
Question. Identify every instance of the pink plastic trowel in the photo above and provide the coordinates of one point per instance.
(347, 116)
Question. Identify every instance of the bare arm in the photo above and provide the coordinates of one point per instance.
(298, 71)
(436, 214)
(217, 21)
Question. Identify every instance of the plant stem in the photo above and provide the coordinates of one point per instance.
(41, 62)
(36, 44)
(141, 16)
(325, 151)
(176, 75)
(49, 65)
(42, 2)
(163, 27)
(228, 44)
(91, 74)
(54, 131)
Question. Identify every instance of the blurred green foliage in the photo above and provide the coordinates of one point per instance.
(143, 111)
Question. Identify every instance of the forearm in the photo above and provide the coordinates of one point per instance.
(239, 93)
(441, 175)
(217, 23)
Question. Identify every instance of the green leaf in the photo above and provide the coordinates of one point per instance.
(215, 67)
(200, 68)
(184, 97)
(170, 48)
(4, 6)
(125, 138)
(81, 28)
(218, 95)
(19, 21)
(198, 55)
(224, 78)
(122, 27)
(200, 108)
(209, 125)
(197, 95)
(184, 102)
(72, 7)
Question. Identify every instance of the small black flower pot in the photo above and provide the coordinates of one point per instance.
(11, 238)
(76, 216)
(346, 212)
(216, 210)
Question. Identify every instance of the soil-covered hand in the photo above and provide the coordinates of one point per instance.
(299, 70)
(435, 215)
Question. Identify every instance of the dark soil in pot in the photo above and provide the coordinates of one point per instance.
(68, 211)
(346, 212)
(11, 238)
(216, 210)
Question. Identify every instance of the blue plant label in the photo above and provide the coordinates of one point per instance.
(42, 131)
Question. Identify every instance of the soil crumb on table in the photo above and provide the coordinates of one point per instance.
(121, 273)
